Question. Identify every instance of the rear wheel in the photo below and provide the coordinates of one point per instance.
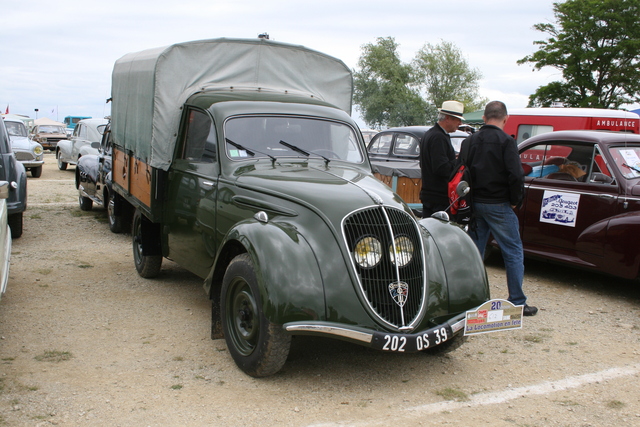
(85, 203)
(61, 165)
(148, 266)
(116, 223)
(259, 347)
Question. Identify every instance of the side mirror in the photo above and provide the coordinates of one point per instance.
(463, 188)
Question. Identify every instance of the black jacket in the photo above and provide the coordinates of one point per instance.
(496, 170)
(437, 160)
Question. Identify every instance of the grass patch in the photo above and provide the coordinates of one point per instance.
(45, 271)
(178, 359)
(453, 394)
(567, 403)
(85, 266)
(534, 338)
(615, 404)
(54, 356)
(176, 386)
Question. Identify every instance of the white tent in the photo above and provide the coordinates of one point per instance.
(47, 121)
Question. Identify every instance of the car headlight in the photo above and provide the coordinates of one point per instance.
(401, 251)
(368, 252)
(37, 150)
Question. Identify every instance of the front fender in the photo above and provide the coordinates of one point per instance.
(462, 270)
(64, 150)
(621, 253)
(287, 269)
(17, 200)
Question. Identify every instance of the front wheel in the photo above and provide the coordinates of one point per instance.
(36, 172)
(148, 266)
(259, 347)
(447, 346)
(15, 222)
(61, 165)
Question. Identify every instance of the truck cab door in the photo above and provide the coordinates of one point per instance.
(192, 192)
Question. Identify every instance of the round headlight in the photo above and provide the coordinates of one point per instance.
(37, 150)
(368, 252)
(401, 251)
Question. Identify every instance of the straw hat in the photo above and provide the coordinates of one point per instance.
(452, 108)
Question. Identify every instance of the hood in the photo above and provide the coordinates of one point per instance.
(335, 190)
(22, 143)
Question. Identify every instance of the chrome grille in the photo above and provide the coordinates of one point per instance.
(24, 156)
(386, 224)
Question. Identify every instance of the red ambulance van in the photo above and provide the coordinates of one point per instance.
(524, 123)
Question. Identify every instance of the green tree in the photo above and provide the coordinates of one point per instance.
(596, 45)
(445, 74)
(384, 87)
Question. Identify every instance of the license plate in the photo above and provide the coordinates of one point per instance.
(412, 342)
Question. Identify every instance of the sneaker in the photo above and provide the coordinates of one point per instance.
(529, 310)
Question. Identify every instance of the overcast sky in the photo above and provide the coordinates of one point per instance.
(57, 55)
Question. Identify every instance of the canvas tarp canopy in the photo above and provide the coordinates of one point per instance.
(150, 87)
(474, 118)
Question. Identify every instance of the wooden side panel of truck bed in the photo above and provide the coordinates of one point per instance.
(133, 175)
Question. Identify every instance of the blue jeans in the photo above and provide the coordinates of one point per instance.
(500, 221)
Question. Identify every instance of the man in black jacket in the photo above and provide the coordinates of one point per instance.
(438, 158)
(497, 185)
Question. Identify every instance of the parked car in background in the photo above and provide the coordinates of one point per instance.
(71, 121)
(12, 171)
(48, 135)
(85, 140)
(403, 143)
(94, 184)
(5, 237)
(582, 200)
(367, 134)
(27, 151)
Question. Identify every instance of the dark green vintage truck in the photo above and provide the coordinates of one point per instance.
(242, 164)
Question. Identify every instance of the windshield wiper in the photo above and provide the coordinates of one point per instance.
(303, 152)
(250, 152)
(631, 167)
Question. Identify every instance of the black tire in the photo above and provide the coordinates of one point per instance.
(85, 203)
(116, 223)
(148, 266)
(15, 223)
(259, 347)
(36, 172)
(61, 165)
(447, 346)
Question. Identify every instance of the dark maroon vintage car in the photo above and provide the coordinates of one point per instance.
(582, 200)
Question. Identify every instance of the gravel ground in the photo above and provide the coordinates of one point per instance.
(84, 341)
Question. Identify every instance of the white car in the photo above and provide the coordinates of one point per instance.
(27, 151)
(5, 237)
(85, 140)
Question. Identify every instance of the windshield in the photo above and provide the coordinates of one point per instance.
(627, 160)
(51, 129)
(278, 137)
(16, 128)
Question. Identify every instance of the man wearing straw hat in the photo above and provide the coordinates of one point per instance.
(438, 158)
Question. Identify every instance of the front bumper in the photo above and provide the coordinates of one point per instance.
(31, 163)
(385, 341)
